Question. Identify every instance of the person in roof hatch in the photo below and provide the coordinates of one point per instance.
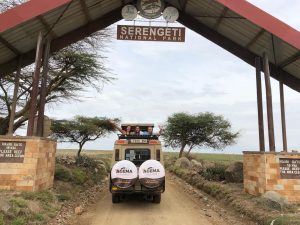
(150, 131)
(138, 131)
(124, 132)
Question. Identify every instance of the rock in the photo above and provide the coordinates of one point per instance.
(208, 164)
(197, 166)
(99, 161)
(102, 167)
(234, 173)
(275, 197)
(183, 163)
(78, 210)
(4, 205)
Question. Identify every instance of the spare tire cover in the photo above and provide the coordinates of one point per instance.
(124, 174)
(151, 174)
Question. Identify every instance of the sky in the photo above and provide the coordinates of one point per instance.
(155, 80)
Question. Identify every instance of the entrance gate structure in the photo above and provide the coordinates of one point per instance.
(36, 29)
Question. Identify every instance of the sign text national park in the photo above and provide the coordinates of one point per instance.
(148, 33)
(12, 152)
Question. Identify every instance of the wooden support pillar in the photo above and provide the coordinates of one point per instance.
(15, 99)
(260, 105)
(269, 103)
(43, 90)
(283, 122)
(35, 85)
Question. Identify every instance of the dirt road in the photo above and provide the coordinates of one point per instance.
(180, 205)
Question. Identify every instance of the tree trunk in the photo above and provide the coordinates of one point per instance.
(181, 150)
(4, 123)
(80, 148)
(190, 149)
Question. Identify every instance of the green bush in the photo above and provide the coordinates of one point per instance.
(64, 197)
(216, 173)
(18, 221)
(17, 202)
(87, 162)
(43, 196)
(62, 173)
(1, 219)
(78, 176)
(38, 217)
(27, 195)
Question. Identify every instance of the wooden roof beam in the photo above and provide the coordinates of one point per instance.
(47, 26)
(183, 5)
(219, 21)
(257, 36)
(9, 46)
(290, 60)
(85, 11)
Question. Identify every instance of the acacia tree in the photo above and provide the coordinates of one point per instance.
(201, 130)
(72, 70)
(81, 130)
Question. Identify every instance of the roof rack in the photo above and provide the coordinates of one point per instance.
(152, 137)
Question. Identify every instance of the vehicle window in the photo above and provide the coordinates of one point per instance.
(137, 156)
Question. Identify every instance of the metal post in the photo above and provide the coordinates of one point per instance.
(283, 123)
(269, 103)
(14, 102)
(40, 122)
(260, 105)
(35, 84)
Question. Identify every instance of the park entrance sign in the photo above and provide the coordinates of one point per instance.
(149, 33)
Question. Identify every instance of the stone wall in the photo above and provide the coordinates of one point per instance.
(36, 172)
(262, 173)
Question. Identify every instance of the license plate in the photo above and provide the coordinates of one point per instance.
(139, 141)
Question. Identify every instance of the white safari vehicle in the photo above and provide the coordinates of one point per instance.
(137, 166)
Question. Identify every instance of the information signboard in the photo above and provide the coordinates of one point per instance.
(12, 151)
(289, 168)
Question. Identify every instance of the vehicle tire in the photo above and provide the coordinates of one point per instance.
(156, 198)
(115, 198)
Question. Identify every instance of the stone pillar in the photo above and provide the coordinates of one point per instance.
(26, 163)
(270, 171)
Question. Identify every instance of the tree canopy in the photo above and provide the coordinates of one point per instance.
(200, 130)
(81, 130)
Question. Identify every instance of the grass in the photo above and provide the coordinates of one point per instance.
(225, 159)
(20, 203)
(18, 221)
(96, 154)
(1, 219)
(43, 196)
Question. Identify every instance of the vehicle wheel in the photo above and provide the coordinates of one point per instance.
(115, 198)
(156, 198)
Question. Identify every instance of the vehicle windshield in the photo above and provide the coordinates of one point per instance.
(137, 156)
